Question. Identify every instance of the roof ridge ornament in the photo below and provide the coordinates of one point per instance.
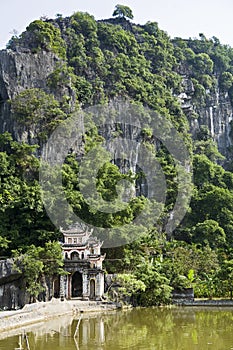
(77, 228)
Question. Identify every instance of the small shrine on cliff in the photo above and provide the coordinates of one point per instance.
(83, 262)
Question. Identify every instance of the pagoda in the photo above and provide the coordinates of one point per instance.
(83, 262)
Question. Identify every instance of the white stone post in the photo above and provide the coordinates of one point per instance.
(62, 288)
(85, 287)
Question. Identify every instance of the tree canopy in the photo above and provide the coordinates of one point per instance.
(123, 11)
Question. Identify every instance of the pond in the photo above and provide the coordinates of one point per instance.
(139, 329)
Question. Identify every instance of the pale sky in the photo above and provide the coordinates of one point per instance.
(185, 18)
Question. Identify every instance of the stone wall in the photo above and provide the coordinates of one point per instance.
(182, 296)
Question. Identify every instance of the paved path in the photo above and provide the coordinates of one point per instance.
(42, 311)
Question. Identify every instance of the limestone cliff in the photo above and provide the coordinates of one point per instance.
(24, 70)
(12, 295)
(91, 50)
(215, 114)
(21, 70)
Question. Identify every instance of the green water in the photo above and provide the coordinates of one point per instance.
(147, 329)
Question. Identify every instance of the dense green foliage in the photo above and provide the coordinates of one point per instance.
(23, 219)
(36, 264)
(123, 11)
(41, 35)
(34, 108)
(103, 61)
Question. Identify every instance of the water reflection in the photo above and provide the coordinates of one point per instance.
(141, 329)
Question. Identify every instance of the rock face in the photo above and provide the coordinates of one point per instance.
(12, 288)
(215, 114)
(12, 295)
(20, 70)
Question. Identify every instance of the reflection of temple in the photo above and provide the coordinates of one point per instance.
(83, 261)
(91, 331)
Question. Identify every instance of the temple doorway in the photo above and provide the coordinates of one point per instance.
(77, 285)
(92, 289)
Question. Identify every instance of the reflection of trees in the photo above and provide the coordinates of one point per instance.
(155, 328)
(182, 328)
(132, 329)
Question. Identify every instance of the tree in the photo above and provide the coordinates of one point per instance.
(209, 231)
(225, 277)
(130, 286)
(123, 12)
(4, 242)
(226, 81)
(36, 264)
(45, 36)
(33, 107)
(30, 265)
(158, 291)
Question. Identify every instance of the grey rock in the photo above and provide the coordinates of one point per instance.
(20, 70)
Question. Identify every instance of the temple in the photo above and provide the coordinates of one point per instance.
(83, 262)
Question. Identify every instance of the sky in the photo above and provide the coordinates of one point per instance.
(184, 18)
